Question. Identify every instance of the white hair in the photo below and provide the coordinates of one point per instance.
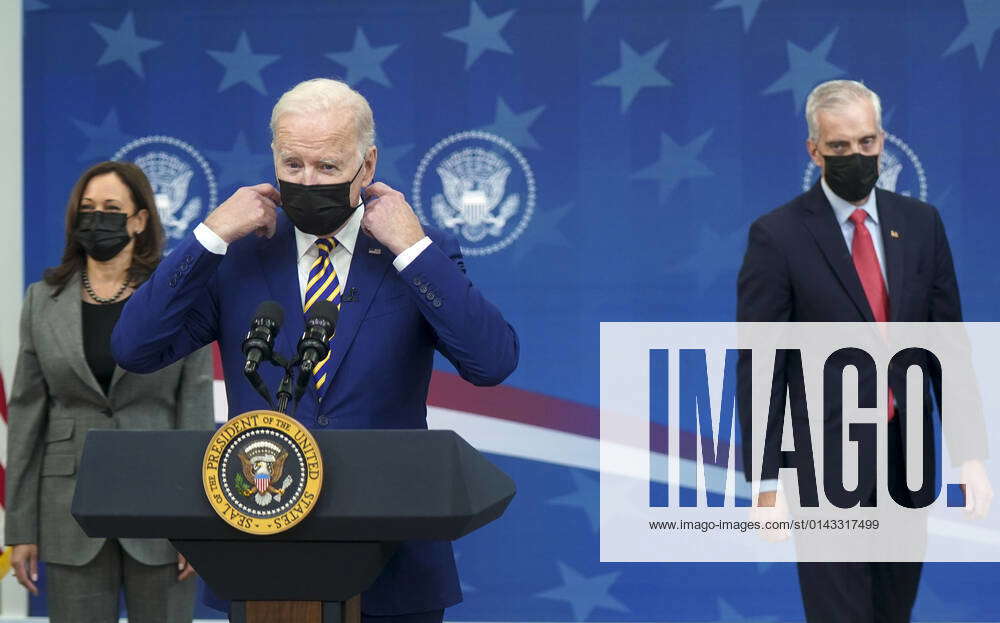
(324, 95)
(834, 95)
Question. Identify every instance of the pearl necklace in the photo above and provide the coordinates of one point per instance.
(93, 295)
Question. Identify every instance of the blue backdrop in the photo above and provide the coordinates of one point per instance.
(638, 139)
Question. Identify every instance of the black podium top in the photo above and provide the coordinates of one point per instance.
(378, 485)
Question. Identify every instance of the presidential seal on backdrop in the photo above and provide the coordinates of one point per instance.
(479, 187)
(183, 183)
(262, 472)
(899, 170)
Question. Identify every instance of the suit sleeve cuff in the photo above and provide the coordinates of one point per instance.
(407, 256)
(211, 240)
(766, 486)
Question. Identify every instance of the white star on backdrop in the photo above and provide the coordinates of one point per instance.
(676, 164)
(103, 140)
(585, 594)
(749, 9)
(984, 22)
(806, 69)
(482, 33)
(242, 65)
(514, 126)
(636, 72)
(124, 44)
(364, 61)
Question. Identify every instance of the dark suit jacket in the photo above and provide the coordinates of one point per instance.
(797, 268)
(381, 355)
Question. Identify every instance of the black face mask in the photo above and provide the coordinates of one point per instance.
(101, 234)
(318, 209)
(852, 177)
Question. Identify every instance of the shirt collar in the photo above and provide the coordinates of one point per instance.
(843, 209)
(346, 237)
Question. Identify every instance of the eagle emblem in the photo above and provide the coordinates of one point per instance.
(263, 466)
(262, 472)
(889, 169)
(170, 178)
(474, 182)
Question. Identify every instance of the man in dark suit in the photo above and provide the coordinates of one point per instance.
(401, 289)
(847, 252)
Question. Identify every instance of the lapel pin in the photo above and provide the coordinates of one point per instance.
(894, 233)
(378, 250)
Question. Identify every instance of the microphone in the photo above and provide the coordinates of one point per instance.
(321, 322)
(258, 345)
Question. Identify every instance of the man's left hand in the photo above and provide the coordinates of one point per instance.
(977, 489)
(390, 219)
(184, 569)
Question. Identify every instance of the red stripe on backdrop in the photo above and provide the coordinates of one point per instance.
(450, 391)
(217, 361)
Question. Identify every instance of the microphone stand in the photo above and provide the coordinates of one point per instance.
(285, 387)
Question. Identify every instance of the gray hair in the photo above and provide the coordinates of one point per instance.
(834, 95)
(322, 95)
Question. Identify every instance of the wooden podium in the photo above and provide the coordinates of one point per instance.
(381, 487)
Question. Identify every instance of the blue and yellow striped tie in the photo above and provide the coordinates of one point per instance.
(323, 285)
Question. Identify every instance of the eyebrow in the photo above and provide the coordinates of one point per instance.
(283, 156)
(834, 142)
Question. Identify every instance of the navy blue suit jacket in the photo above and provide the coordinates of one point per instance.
(382, 353)
(798, 268)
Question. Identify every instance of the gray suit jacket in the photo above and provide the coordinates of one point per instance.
(54, 402)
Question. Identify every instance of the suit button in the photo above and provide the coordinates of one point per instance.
(436, 303)
(322, 420)
(188, 259)
(173, 282)
(423, 288)
(430, 296)
(417, 281)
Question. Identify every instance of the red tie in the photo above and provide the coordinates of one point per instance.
(866, 263)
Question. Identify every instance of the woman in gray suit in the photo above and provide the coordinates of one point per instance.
(67, 383)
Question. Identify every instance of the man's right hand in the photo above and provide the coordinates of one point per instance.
(24, 559)
(250, 209)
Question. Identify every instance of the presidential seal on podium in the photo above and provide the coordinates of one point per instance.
(262, 472)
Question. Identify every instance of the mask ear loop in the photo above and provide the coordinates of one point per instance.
(277, 185)
(364, 189)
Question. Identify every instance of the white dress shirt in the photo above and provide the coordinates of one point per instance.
(306, 251)
(843, 210)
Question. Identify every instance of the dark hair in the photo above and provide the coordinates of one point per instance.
(148, 247)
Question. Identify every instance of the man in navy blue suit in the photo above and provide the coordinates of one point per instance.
(401, 287)
(845, 251)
